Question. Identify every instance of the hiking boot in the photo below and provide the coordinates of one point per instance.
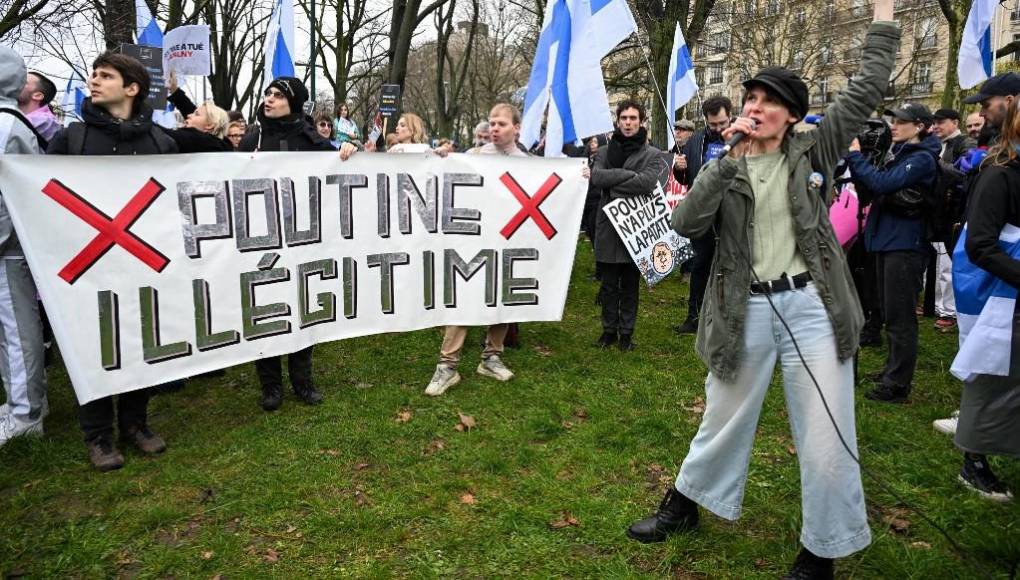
(626, 343)
(947, 426)
(444, 378)
(807, 566)
(103, 454)
(676, 513)
(607, 340)
(945, 324)
(11, 427)
(978, 476)
(888, 394)
(272, 397)
(308, 394)
(145, 440)
(689, 326)
(493, 367)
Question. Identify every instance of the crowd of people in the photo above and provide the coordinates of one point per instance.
(765, 253)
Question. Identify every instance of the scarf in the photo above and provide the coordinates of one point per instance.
(621, 147)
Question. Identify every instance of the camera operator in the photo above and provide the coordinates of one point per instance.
(896, 233)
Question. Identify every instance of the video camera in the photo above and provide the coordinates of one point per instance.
(875, 139)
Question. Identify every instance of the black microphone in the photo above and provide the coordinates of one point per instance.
(736, 138)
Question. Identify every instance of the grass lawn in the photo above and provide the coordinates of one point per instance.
(379, 481)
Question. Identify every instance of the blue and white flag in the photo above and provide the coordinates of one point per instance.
(975, 63)
(280, 42)
(611, 23)
(148, 31)
(566, 80)
(681, 86)
(74, 95)
(984, 311)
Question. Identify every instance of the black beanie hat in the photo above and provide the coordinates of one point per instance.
(785, 84)
(294, 90)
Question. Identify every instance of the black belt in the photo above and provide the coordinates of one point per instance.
(782, 284)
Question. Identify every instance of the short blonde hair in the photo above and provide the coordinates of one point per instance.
(219, 119)
(508, 110)
(417, 127)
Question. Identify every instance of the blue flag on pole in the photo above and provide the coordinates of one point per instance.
(147, 28)
(566, 80)
(279, 47)
(74, 95)
(611, 23)
(682, 85)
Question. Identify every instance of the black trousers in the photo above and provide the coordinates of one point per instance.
(865, 274)
(619, 296)
(899, 280)
(701, 269)
(96, 417)
(299, 365)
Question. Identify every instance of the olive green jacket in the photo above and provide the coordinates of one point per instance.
(721, 200)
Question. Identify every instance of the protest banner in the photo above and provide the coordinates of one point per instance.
(162, 267)
(186, 50)
(642, 222)
(389, 101)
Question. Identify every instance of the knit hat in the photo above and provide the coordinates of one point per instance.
(294, 90)
(785, 84)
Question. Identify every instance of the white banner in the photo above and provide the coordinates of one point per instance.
(642, 222)
(162, 267)
(186, 50)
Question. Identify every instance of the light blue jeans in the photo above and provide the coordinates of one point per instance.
(715, 470)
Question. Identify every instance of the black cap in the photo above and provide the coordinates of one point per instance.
(912, 112)
(294, 90)
(946, 114)
(997, 86)
(786, 85)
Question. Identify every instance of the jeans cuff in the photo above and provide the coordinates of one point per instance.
(707, 501)
(837, 548)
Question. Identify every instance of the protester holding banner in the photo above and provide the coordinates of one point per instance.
(282, 127)
(702, 147)
(21, 330)
(896, 234)
(778, 258)
(409, 135)
(987, 278)
(117, 121)
(626, 167)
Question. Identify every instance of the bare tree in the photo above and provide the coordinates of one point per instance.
(452, 66)
(407, 15)
(14, 12)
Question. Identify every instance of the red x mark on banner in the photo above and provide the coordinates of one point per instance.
(529, 205)
(111, 231)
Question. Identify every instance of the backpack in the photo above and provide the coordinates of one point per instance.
(21, 117)
(935, 204)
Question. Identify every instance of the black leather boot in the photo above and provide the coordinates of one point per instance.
(807, 566)
(308, 393)
(677, 513)
(606, 340)
(272, 397)
(627, 342)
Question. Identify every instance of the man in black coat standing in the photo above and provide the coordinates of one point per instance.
(702, 147)
(283, 127)
(117, 121)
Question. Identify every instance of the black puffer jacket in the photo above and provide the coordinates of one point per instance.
(290, 133)
(190, 140)
(101, 134)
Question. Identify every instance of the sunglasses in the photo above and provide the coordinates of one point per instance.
(274, 93)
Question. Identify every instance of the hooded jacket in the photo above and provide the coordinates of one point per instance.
(101, 134)
(16, 137)
(290, 133)
(721, 202)
(912, 165)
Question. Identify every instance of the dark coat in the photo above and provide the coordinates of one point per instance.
(190, 140)
(912, 165)
(638, 176)
(994, 203)
(292, 133)
(956, 147)
(694, 150)
(101, 134)
(722, 202)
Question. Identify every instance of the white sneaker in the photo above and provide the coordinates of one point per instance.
(442, 379)
(11, 427)
(947, 426)
(494, 367)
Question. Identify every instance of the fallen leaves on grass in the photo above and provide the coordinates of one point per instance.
(207, 555)
(921, 545)
(404, 415)
(360, 499)
(791, 449)
(566, 521)
(697, 407)
(543, 350)
(467, 422)
(271, 556)
(468, 498)
(206, 495)
(362, 466)
(896, 518)
(435, 446)
(329, 452)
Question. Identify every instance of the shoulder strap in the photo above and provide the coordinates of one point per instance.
(18, 115)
